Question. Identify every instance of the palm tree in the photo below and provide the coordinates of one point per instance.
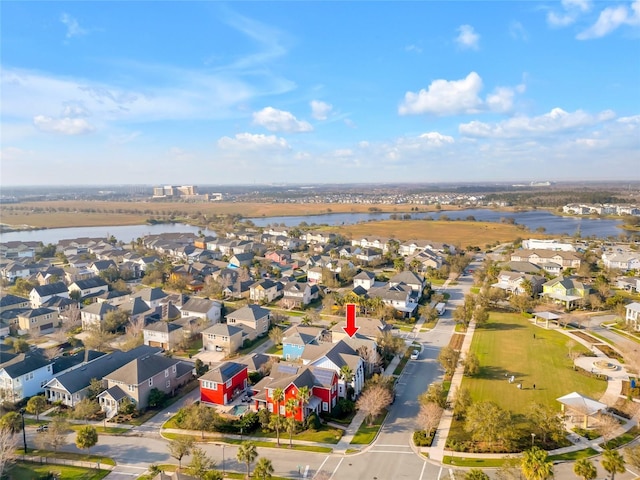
(585, 469)
(247, 453)
(613, 462)
(278, 396)
(346, 375)
(264, 469)
(535, 465)
(291, 406)
(303, 397)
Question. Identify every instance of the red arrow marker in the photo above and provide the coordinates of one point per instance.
(351, 328)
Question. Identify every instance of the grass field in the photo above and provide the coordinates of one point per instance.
(507, 345)
(461, 234)
(33, 471)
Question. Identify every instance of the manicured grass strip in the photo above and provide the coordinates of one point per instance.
(102, 430)
(570, 456)
(70, 456)
(284, 445)
(623, 439)
(275, 350)
(474, 462)
(35, 471)
(366, 434)
(403, 362)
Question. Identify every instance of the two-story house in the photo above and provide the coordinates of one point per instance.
(407, 277)
(401, 297)
(208, 310)
(42, 293)
(632, 316)
(138, 377)
(14, 270)
(296, 295)
(568, 292)
(221, 384)
(38, 320)
(223, 337)
(93, 315)
(264, 291)
(166, 335)
(296, 338)
(22, 375)
(12, 302)
(255, 318)
(516, 283)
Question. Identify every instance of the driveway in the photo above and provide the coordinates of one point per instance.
(210, 357)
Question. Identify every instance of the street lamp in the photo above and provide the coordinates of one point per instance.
(24, 433)
(533, 436)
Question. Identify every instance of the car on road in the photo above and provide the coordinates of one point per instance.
(42, 428)
(415, 354)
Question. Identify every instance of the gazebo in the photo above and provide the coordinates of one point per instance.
(577, 405)
(546, 317)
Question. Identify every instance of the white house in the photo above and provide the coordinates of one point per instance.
(204, 308)
(364, 279)
(24, 375)
(14, 270)
(90, 287)
(633, 315)
(42, 293)
(623, 261)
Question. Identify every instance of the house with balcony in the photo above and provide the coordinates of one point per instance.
(321, 384)
(401, 297)
(380, 243)
(516, 283)
(264, 291)
(222, 384)
(223, 337)
(296, 295)
(567, 292)
(368, 255)
(632, 316)
(137, 378)
(22, 375)
(621, 260)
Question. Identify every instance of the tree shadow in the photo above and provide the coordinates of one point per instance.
(498, 373)
(502, 326)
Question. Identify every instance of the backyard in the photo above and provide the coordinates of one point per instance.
(510, 345)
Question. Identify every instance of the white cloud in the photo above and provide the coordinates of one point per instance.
(571, 11)
(276, 120)
(467, 37)
(556, 121)
(610, 19)
(444, 97)
(64, 126)
(9, 154)
(73, 27)
(320, 110)
(435, 139)
(413, 48)
(250, 141)
(453, 97)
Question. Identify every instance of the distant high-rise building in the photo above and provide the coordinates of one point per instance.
(171, 191)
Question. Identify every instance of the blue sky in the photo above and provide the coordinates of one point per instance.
(319, 92)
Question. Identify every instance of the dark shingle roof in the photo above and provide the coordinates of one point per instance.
(63, 363)
(10, 300)
(150, 294)
(224, 372)
(92, 282)
(36, 312)
(165, 327)
(200, 305)
(24, 363)
(249, 313)
(223, 329)
(51, 289)
(141, 369)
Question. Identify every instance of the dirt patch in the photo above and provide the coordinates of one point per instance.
(456, 341)
(586, 337)
(609, 352)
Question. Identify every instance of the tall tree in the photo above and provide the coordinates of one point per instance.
(200, 464)
(55, 435)
(303, 396)
(346, 375)
(476, 474)
(85, 409)
(448, 358)
(278, 397)
(8, 453)
(291, 406)
(585, 469)
(429, 416)
(535, 465)
(373, 401)
(200, 417)
(546, 421)
(264, 469)
(180, 447)
(488, 422)
(613, 462)
(247, 453)
(86, 437)
(11, 421)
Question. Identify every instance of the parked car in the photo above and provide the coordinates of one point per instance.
(42, 428)
(415, 354)
(219, 348)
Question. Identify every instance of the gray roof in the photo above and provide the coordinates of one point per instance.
(255, 361)
(99, 308)
(51, 289)
(24, 363)
(164, 327)
(114, 392)
(36, 312)
(298, 335)
(58, 302)
(338, 353)
(365, 275)
(223, 372)
(10, 300)
(142, 369)
(249, 313)
(223, 329)
(150, 294)
(200, 305)
(523, 267)
(93, 282)
(80, 378)
(407, 277)
(64, 362)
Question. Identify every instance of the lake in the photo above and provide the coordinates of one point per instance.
(532, 219)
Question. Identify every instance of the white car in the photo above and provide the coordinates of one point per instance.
(415, 354)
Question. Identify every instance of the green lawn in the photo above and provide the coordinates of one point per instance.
(70, 456)
(34, 471)
(366, 433)
(275, 350)
(103, 430)
(473, 462)
(506, 345)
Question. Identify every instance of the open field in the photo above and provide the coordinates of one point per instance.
(507, 345)
(455, 233)
(34, 471)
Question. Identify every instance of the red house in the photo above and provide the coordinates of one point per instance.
(223, 383)
(279, 256)
(321, 382)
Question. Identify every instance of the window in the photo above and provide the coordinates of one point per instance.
(228, 384)
(173, 369)
(325, 406)
(166, 373)
(168, 384)
(131, 387)
(151, 382)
